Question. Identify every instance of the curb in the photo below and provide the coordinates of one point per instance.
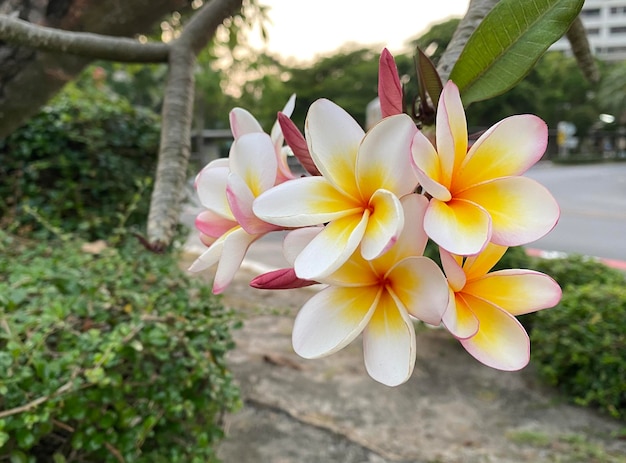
(613, 263)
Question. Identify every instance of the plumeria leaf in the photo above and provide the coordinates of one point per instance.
(389, 86)
(297, 143)
(507, 44)
(284, 278)
(429, 85)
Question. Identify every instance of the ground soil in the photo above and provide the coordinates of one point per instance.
(452, 410)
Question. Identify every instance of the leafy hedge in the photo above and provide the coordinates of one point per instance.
(108, 356)
(78, 165)
(579, 346)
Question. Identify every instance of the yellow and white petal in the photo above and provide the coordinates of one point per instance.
(427, 167)
(331, 319)
(389, 343)
(521, 209)
(334, 138)
(211, 189)
(420, 287)
(508, 148)
(516, 291)
(459, 319)
(451, 132)
(412, 239)
(355, 272)
(240, 200)
(243, 122)
(458, 226)
(385, 223)
(501, 341)
(454, 272)
(252, 157)
(236, 244)
(478, 265)
(384, 158)
(331, 248)
(303, 202)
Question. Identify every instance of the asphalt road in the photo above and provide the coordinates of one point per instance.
(592, 198)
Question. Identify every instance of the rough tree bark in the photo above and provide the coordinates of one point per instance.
(176, 127)
(29, 77)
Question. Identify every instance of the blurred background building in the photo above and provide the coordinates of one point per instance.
(605, 22)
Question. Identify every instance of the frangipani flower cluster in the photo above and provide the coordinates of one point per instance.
(361, 220)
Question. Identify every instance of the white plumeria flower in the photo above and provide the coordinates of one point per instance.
(376, 298)
(243, 122)
(479, 195)
(227, 189)
(363, 175)
(483, 305)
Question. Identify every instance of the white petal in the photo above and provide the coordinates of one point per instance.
(331, 248)
(501, 341)
(252, 157)
(240, 199)
(384, 225)
(331, 319)
(334, 137)
(211, 189)
(420, 287)
(303, 202)
(384, 158)
(242, 122)
(236, 244)
(389, 344)
(209, 257)
(295, 241)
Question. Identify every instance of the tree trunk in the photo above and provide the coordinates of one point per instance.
(29, 78)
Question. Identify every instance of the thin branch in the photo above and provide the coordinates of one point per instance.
(96, 46)
(577, 36)
(38, 401)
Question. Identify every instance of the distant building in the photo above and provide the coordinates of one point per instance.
(605, 22)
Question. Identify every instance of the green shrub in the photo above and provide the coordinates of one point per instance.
(580, 345)
(78, 165)
(108, 356)
(576, 270)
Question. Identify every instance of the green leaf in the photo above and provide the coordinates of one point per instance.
(4, 438)
(507, 44)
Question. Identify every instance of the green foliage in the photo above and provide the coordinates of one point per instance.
(110, 356)
(579, 346)
(507, 44)
(348, 78)
(576, 270)
(84, 164)
(435, 41)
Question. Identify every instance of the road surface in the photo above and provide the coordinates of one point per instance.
(592, 198)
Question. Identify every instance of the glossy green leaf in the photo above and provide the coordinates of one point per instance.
(507, 44)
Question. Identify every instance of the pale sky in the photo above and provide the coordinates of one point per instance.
(303, 29)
